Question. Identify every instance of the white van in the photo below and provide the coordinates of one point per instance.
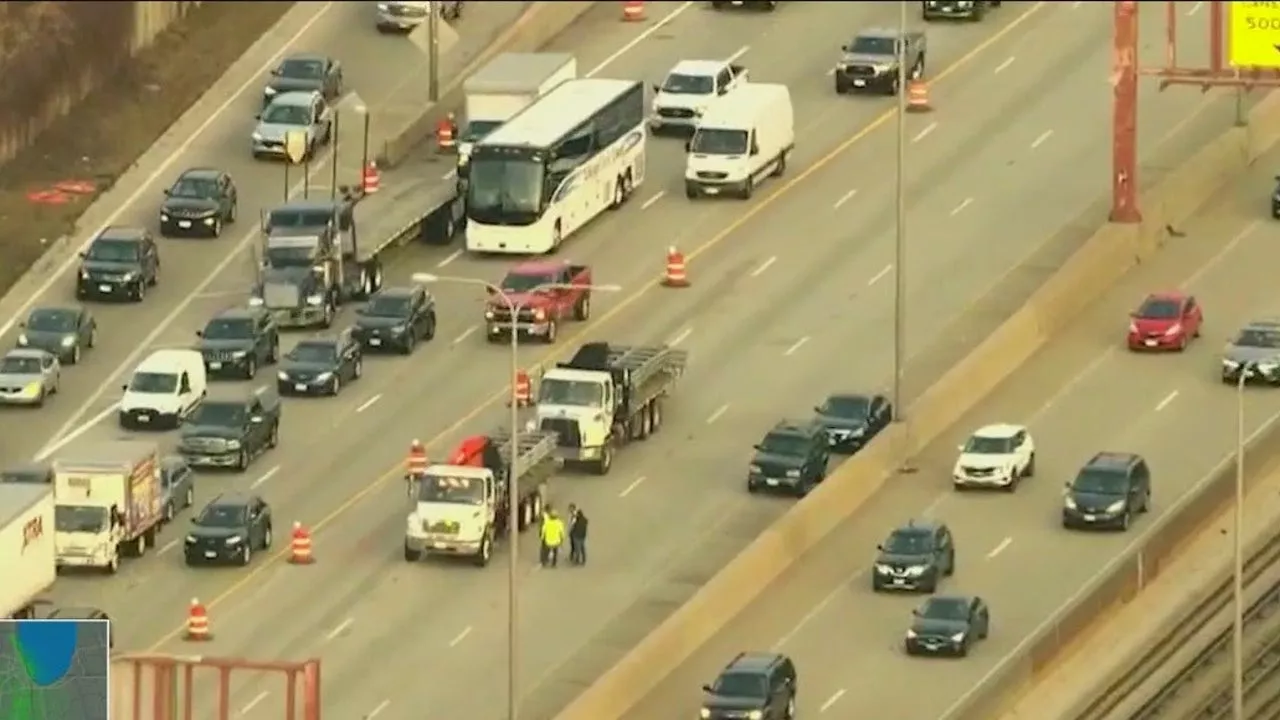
(165, 388)
(744, 137)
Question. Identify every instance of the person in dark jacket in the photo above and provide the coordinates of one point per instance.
(577, 536)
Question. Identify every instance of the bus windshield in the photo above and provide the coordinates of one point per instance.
(505, 191)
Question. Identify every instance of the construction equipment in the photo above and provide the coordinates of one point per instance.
(606, 396)
(27, 549)
(462, 508)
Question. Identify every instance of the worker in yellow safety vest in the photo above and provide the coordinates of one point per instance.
(553, 532)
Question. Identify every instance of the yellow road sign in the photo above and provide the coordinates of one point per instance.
(1254, 37)
(295, 146)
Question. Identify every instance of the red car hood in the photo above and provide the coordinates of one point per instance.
(1154, 325)
(527, 300)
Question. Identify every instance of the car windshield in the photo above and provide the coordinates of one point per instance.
(1259, 338)
(282, 114)
(220, 414)
(1101, 482)
(524, 282)
(556, 391)
(317, 353)
(946, 609)
(785, 445)
(681, 84)
(300, 69)
(121, 251)
(909, 542)
(20, 365)
(394, 306)
(196, 188)
(741, 685)
(719, 141)
(229, 329)
(868, 45)
(459, 490)
(145, 382)
(59, 321)
(983, 445)
(1160, 309)
(295, 218)
(222, 516)
(80, 518)
(848, 407)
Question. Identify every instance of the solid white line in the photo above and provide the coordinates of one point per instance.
(266, 476)
(763, 266)
(653, 200)
(64, 440)
(1004, 544)
(460, 637)
(738, 53)
(845, 198)
(960, 208)
(666, 20)
(452, 256)
(880, 275)
(1167, 400)
(465, 334)
(369, 403)
(716, 415)
(925, 132)
(634, 484)
(1223, 253)
(249, 706)
(832, 700)
(1041, 140)
(680, 337)
(167, 547)
(1004, 65)
(342, 627)
(374, 712)
(1194, 9)
(796, 345)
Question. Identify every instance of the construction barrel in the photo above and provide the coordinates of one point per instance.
(918, 96)
(197, 622)
(447, 133)
(300, 545)
(370, 178)
(522, 389)
(416, 463)
(632, 10)
(676, 275)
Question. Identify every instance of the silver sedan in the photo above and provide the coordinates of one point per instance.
(28, 376)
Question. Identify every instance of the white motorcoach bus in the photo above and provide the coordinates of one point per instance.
(556, 165)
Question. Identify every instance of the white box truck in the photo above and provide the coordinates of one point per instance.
(506, 85)
(108, 502)
(27, 555)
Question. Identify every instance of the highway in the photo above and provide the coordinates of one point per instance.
(987, 186)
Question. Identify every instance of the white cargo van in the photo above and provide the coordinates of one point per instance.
(165, 388)
(743, 138)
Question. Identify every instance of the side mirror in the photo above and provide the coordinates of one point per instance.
(707, 689)
(22, 324)
(658, 88)
(915, 612)
(199, 333)
(1066, 486)
(167, 192)
(844, 48)
(755, 150)
(257, 116)
(83, 255)
(880, 548)
(688, 145)
(817, 409)
(125, 387)
(722, 90)
(757, 446)
(960, 448)
(491, 290)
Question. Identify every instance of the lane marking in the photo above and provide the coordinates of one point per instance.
(766, 201)
(796, 346)
(764, 266)
(1166, 401)
(1004, 545)
(880, 275)
(652, 200)
(460, 636)
(450, 258)
(449, 175)
(377, 710)
(666, 20)
(465, 334)
(925, 132)
(1194, 9)
(266, 476)
(716, 415)
(369, 403)
(1004, 65)
(845, 198)
(342, 627)
(680, 337)
(168, 546)
(249, 706)
(960, 208)
(1040, 140)
(739, 53)
(835, 698)
(634, 484)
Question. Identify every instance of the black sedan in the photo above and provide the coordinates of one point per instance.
(321, 366)
(396, 319)
(305, 72)
(852, 419)
(63, 331)
(230, 529)
(198, 204)
(948, 625)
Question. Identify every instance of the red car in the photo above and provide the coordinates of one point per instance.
(1165, 321)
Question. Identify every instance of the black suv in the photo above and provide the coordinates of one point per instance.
(229, 530)
(237, 341)
(852, 419)
(915, 557)
(321, 365)
(1107, 492)
(755, 685)
(791, 459)
(947, 625)
(231, 428)
(396, 319)
(200, 202)
(120, 263)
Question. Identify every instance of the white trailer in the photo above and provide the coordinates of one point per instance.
(506, 85)
(109, 502)
(27, 549)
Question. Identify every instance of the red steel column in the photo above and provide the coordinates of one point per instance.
(1124, 139)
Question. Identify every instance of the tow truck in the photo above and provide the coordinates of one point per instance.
(689, 89)
(312, 261)
(545, 294)
(606, 396)
(461, 509)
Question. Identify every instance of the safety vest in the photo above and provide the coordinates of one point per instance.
(417, 463)
(553, 532)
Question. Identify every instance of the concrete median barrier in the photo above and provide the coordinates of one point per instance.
(536, 26)
(1101, 261)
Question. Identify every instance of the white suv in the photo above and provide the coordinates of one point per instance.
(995, 456)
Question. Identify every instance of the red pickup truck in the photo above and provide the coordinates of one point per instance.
(545, 293)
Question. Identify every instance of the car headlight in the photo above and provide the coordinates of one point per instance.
(256, 137)
(164, 217)
(1116, 506)
(129, 276)
(239, 354)
(1069, 502)
(858, 432)
(23, 339)
(1268, 367)
(400, 329)
(704, 713)
(755, 715)
(958, 637)
(911, 633)
(793, 473)
(754, 468)
(33, 388)
(917, 570)
(1173, 329)
(84, 274)
(382, 7)
(315, 299)
(282, 376)
(67, 341)
(539, 314)
(233, 444)
(1228, 363)
(255, 302)
(882, 568)
(488, 315)
(234, 540)
(324, 377)
(269, 91)
(191, 539)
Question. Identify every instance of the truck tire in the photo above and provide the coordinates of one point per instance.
(113, 564)
(605, 463)
(582, 309)
(655, 412)
(242, 460)
(411, 555)
(482, 558)
(327, 321)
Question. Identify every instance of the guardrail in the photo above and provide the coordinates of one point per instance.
(1266, 672)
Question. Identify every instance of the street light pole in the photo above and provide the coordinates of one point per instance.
(1237, 574)
(900, 248)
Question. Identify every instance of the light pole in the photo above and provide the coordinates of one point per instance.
(900, 247)
(513, 574)
(1237, 572)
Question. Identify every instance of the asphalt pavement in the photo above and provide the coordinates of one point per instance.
(988, 183)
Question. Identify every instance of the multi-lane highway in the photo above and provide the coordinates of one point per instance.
(792, 289)
(1080, 395)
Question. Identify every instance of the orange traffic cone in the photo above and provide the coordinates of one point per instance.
(300, 545)
(446, 133)
(918, 96)
(416, 463)
(675, 276)
(632, 10)
(198, 622)
(522, 389)
(370, 178)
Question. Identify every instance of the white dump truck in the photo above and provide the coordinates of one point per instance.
(108, 502)
(606, 396)
(506, 85)
(27, 555)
